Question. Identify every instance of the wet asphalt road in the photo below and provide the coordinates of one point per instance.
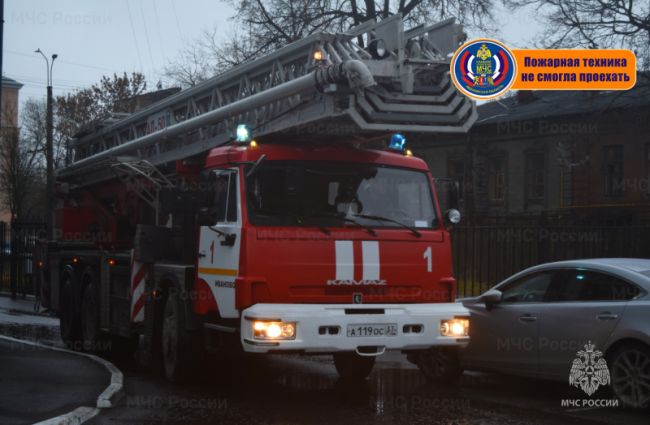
(300, 390)
(294, 390)
(38, 384)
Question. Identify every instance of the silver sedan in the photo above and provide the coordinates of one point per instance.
(585, 321)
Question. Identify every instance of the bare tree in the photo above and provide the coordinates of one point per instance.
(22, 150)
(196, 62)
(111, 94)
(21, 174)
(78, 110)
(262, 26)
(34, 131)
(594, 24)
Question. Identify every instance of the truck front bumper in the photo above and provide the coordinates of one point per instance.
(323, 328)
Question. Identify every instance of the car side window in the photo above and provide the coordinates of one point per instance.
(584, 285)
(528, 289)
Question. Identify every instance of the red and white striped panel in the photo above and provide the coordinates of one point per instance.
(138, 275)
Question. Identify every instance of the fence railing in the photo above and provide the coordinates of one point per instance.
(485, 255)
(482, 255)
(16, 256)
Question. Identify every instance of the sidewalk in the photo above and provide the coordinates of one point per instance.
(25, 306)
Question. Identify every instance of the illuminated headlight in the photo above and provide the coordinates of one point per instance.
(274, 330)
(454, 327)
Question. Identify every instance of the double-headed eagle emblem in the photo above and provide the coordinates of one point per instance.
(589, 370)
(483, 52)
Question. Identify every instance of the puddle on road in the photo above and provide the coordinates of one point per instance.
(313, 385)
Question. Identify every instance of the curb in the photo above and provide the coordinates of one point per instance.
(77, 416)
(26, 312)
(106, 399)
(29, 298)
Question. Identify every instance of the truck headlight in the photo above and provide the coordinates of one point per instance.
(457, 327)
(274, 330)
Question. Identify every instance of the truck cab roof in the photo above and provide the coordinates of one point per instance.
(238, 153)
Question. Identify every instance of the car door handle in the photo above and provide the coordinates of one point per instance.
(527, 318)
(607, 316)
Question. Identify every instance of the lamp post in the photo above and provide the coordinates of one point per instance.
(49, 148)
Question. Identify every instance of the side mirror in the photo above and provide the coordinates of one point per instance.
(491, 298)
(452, 217)
(206, 217)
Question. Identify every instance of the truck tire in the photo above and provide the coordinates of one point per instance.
(440, 364)
(90, 333)
(352, 366)
(178, 345)
(69, 323)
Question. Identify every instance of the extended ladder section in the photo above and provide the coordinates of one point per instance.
(338, 87)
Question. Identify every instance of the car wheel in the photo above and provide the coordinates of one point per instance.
(352, 366)
(630, 375)
(69, 324)
(440, 364)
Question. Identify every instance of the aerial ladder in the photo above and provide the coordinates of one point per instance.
(374, 78)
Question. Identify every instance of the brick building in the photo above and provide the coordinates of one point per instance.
(9, 116)
(552, 156)
(9, 119)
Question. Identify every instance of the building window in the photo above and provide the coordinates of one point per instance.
(613, 164)
(456, 174)
(535, 175)
(497, 179)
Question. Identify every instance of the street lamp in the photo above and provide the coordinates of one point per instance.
(49, 149)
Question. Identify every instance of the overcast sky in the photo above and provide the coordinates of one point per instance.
(94, 38)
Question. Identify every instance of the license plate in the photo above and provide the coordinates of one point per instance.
(372, 330)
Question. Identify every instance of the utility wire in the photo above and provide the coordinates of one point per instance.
(160, 42)
(135, 38)
(38, 58)
(178, 24)
(146, 37)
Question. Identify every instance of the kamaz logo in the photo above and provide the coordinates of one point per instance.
(353, 282)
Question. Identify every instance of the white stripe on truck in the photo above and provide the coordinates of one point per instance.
(370, 251)
(344, 260)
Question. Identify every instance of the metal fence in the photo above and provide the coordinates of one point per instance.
(16, 256)
(484, 255)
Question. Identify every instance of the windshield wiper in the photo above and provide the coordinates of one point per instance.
(390, 220)
(256, 166)
(344, 218)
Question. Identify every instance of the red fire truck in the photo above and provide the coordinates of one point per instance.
(311, 228)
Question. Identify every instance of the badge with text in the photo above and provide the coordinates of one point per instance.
(485, 69)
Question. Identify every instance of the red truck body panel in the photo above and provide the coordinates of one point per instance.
(298, 264)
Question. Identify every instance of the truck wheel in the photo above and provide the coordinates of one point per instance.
(630, 375)
(90, 333)
(352, 366)
(440, 364)
(177, 344)
(68, 319)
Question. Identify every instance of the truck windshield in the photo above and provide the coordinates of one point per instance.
(334, 194)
